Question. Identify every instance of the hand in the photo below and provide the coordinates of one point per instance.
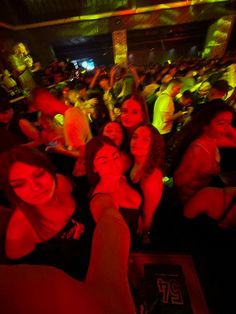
(113, 70)
(91, 102)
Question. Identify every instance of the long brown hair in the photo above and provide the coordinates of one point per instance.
(25, 155)
(156, 154)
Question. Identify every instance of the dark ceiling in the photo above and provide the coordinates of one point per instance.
(22, 12)
(80, 27)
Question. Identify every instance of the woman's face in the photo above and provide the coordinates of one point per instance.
(131, 113)
(140, 142)
(219, 125)
(107, 163)
(31, 184)
(114, 131)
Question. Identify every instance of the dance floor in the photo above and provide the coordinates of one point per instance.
(165, 284)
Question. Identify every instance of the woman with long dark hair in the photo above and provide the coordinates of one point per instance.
(45, 227)
(194, 158)
(147, 149)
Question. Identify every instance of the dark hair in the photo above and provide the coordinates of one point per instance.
(221, 86)
(156, 155)
(91, 150)
(141, 101)
(25, 155)
(187, 94)
(179, 143)
(103, 77)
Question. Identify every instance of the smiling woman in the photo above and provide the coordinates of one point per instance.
(45, 222)
(105, 173)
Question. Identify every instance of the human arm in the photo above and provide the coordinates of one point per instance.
(210, 200)
(152, 188)
(30, 132)
(195, 171)
(61, 149)
(229, 140)
(197, 204)
(76, 131)
(163, 110)
(135, 75)
(95, 77)
(112, 76)
(105, 290)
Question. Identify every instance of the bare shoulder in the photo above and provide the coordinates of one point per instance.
(154, 179)
(63, 184)
(208, 200)
(18, 225)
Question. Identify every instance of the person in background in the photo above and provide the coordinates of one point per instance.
(11, 131)
(22, 65)
(106, 83)
(196, 160)
(147, 149)
(163, 114)
(184, 104)
(115, 131)
(105, 289)
(133, 113)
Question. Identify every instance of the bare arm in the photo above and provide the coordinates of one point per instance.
(30, 132)
(105, 290)
(94, 80)
(152, 188)
(229, 140)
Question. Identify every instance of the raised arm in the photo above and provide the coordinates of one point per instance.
(106, 289)
(152, 188)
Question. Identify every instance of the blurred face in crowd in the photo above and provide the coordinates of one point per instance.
(219, 125)
(32, 184)
(104, 84)
(140, 142)
(176, 89)
(131, 113)
(5, 116)
(107, 163)
(203, 89)
(114, 131)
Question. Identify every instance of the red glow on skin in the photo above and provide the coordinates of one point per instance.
(31, 184)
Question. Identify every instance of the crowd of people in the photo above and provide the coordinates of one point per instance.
(88, 157)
